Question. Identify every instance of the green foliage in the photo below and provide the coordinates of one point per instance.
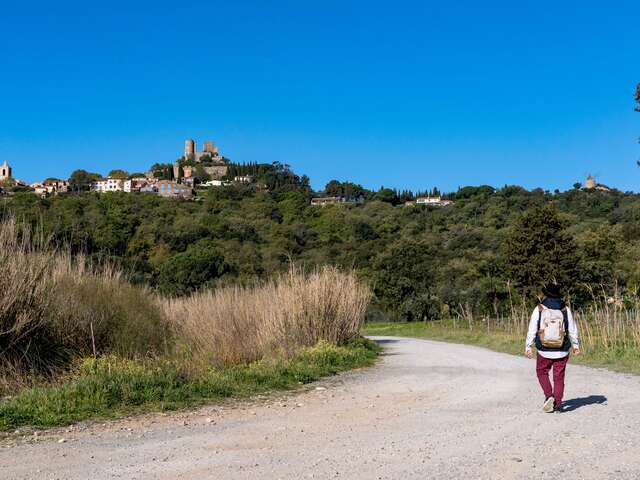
(80, 180)
(539, 250)
(120, 174)
(162, 171)
(258, 233)
(404, 275)
(386, 195)
(275, 177)
(200, 175)
(196, 268)
(110, 387)
(470, 192)
(346, 189)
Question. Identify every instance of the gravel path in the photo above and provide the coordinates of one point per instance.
(428, 410)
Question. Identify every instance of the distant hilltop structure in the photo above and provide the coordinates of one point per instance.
(5, 171)
(209, 151)
(591, 184)
(212, 163)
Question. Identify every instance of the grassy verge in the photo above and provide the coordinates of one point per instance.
(620, 358)
(109, 387)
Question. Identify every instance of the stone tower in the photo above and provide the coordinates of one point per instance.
(210, 147)
(189, 149)
(5, 171)
(590, 183)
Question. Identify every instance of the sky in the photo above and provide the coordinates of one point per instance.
(403, 94)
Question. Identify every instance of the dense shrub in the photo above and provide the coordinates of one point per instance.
(196, 268)
(55, 308)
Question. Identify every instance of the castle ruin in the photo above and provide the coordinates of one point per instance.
(213, 163)
(209, 151)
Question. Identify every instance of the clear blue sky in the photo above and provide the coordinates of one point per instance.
(406, 94)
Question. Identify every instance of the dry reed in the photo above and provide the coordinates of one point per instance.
(608, 326)
(55, 308)
(243, 324)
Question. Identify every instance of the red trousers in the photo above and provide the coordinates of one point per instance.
(543, 365)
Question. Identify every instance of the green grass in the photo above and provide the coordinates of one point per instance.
(618, 358)
(109, 387)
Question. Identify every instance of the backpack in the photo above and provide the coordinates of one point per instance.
(551, 328)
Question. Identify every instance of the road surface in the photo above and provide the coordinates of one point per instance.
(428, 410)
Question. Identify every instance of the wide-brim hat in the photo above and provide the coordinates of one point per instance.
(552, 290)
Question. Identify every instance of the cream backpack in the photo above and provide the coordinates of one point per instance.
(551, 329)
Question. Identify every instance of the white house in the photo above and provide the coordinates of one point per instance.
(39, 188)
(243, 179)
(56, 186)
(109, 184)
(215, 183)
(434, 201)
(50, 187)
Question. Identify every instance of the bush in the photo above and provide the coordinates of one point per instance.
(240, 324)
(194, 269)
(55, 309)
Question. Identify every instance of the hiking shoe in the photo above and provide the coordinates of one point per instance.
(548, 405)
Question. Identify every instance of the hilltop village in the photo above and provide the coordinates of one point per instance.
(195, 171)
(200, 170)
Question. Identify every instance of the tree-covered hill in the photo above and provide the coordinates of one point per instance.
(479, 254)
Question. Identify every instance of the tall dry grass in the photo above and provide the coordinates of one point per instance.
(55, 308)
(609, 327)
(293, 310)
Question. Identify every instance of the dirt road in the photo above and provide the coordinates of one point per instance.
(429, 410)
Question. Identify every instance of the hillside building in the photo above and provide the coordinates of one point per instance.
(243, 179)
(168, 188)
(212, 162)
(138, 184)
(433, 201)
(104, 185)
(5, 171)
(324, 201)
(591, 184)
(50, 187)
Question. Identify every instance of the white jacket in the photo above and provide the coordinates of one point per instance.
(533, 330)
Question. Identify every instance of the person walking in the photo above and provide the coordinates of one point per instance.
(555, 332)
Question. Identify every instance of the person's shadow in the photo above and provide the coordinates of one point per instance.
(575, 403)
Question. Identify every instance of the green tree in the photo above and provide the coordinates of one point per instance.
(200, 175)
(80, 180)
(538, 250)
(120, 174)
(196, 268)
(345, 189)
(162, 171)
(404, 280)
(386, 195)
